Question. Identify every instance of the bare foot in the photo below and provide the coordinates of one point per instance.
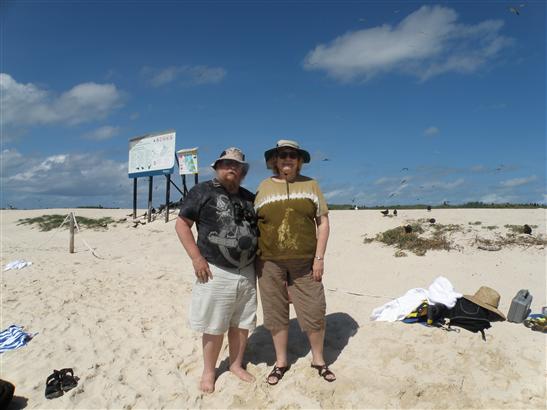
(242, 373)
(207, 382)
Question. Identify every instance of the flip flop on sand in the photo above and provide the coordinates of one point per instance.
(277, 374)
(324, 372)
(68, 381)
(53, 385)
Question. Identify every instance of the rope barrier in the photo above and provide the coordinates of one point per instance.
(360, 294)
(56, 230)
(83, 240)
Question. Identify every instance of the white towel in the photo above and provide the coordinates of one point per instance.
(440, 291)
(18, 264)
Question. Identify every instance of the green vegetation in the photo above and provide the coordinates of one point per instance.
(440, 206)
(49, 222)
(413, 242)
(511, 239)
(490, 227)
(475, 223)
(518, 228)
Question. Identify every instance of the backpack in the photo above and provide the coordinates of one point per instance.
(470, 316)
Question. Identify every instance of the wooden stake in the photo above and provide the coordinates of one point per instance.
(167, 196)
(149, 213)
(134, 198)
(71, 242)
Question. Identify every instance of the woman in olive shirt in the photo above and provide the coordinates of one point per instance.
(294, 228)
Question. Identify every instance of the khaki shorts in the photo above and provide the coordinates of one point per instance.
(307, 295)
(227, 300)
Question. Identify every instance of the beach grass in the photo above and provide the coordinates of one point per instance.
(48, 222)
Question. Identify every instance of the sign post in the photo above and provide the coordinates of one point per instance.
(149, 155)
(188, 165)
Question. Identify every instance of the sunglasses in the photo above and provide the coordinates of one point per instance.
(288, 154)
(228, 163)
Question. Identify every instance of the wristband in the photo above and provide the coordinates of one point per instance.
(320, 258)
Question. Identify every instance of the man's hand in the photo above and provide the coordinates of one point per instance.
(201, 268)
(317, 269)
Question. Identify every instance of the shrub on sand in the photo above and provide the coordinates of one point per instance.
(49, 222)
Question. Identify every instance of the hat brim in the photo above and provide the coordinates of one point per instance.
(486, 306)
(305, 155)
(245, 164)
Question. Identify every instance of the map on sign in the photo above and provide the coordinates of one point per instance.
(151, 153)
(188, 161)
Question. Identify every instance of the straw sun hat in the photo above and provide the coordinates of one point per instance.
(269, 154)
(487, 298)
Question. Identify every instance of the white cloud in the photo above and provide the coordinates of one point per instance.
(435, 185)
(187, 75)
(478, 168)
(511, 183)
(451, 185)
(28, 104)
(497, 199)
(338, 193)
(62, 177)
(428, 42)
(431, 131)
(103, 133)
(386, 180)
(10, 160)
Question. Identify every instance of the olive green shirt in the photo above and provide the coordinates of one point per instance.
(286, 218)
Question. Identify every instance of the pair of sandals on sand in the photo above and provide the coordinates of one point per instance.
(59, 382)
(277, 373)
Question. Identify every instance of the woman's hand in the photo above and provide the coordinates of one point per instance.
(317, 269)
(201, 268)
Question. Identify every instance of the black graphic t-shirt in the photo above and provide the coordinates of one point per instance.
(226, 223)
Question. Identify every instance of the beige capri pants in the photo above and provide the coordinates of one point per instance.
(307, 295)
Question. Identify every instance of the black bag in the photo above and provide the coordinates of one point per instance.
(470, 316)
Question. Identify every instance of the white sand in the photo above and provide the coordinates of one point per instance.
(119, 322)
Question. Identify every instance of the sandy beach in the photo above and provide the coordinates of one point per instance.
(120, 320)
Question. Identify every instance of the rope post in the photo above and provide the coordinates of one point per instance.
(167, 196)
(71, 242)
(150, 185)
(134, 198)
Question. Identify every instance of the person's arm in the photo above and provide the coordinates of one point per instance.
(183, 227)
(323, 230)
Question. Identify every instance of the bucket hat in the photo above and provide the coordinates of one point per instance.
(305, 155)
(487, 298)
(235, 154)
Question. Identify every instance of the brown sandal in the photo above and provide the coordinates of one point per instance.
(324, 372)
(278, 373)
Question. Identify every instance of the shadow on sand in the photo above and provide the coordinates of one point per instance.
(339, 328)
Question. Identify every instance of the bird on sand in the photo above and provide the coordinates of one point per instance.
(429, 208)
(385, 212)
(395, 212)
(527, 229)
(432, 221)
(408, 229)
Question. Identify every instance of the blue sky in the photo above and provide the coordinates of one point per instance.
(453, 91)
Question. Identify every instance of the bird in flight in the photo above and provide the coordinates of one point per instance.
(514, 10)
(404, 169)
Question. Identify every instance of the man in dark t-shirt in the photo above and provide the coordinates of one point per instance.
(224, 295)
